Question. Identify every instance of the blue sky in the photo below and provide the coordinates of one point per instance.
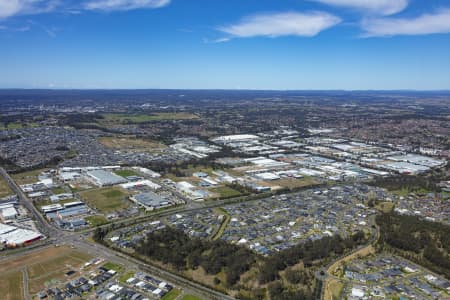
(232, 44)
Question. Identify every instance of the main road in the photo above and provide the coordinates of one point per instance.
(57, 236)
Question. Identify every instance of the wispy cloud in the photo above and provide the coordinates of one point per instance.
(378, 7)
(438, 22)
(110, 5)
(280, 24)
(9, 8)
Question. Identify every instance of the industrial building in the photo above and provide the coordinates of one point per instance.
(105, 178)
(150, 201)
(12, 236)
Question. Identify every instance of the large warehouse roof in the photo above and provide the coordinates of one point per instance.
(13, 236)
(103, 177)
(150, 200)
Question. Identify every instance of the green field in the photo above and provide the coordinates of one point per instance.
(17, 125)
(191, 297)
(226, 192)
(27, 177)
(126, 173)
(96, 220)
(106, 200)
(124, 277)
(4, 188)
(172, 295)
(58, 190)
(11, 285)
(144, 118)
(113, 266)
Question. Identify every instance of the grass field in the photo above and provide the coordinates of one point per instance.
(131, 144)
(172, 295)
(113, 266)
(106, 200)
(385, 206)
(43, 266)
(17, 125)
(27, 177)
(333, 289)
(58, 190)
(96, 220)
(292, 183)
(223, 226)
(4, 188)
(143, 118)
(226, 192)
(191, 297)
(124, 277)
(126, 173)
(11, 285)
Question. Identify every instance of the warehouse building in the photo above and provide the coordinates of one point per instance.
(104, 178)
(151, 201)
(12, 236)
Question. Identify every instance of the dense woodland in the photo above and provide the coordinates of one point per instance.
(426, 243)
(173, 247)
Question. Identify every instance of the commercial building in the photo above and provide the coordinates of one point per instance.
(12, 236)
(8, 213)
(105, 178)
(150, 201)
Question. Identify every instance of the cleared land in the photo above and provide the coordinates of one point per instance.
(333, 289)
(172, 295)
(144, 118)
(96, 220)
(4, 188)
(43, 266)
(27, 177)
(225, 192)
(11, 285)
(191, 297)
(131, 144)
(292, 183)
(106, 200)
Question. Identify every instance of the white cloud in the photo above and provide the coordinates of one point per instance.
(110, 5)
(379, 7)
(281, 24)
(438, 22)
(9, 8)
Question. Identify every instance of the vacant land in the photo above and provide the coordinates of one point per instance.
(96, 220)
(172, 295)
(191, 297)
(106, 200)
(226, 192)
(113, 266)
(27, 177)
(43, 266)
(144, 118)
(333, 289)
(4, 188)
(292, 183)
(126, 173)
(129, 143)
(11, 285)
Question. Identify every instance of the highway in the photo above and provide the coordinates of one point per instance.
(77, 239)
